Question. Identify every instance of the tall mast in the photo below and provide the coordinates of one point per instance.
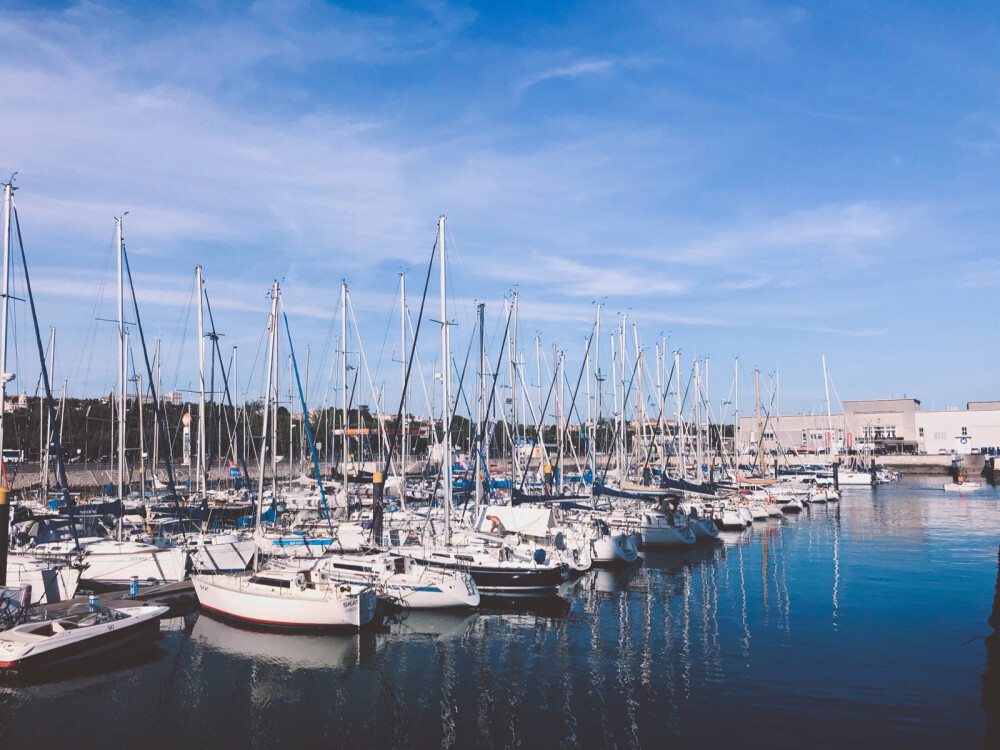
(513, 392)
(736, 412)
(697, 420)
(121, 376)
(481, 407)
(201, 381)
(343, 384)
(760, 426)
(402, 385)
(5, 377)
(622, 433)
(267, 396)
(829, 416)
(681, 461)
(45, 432)
(445, 391)
(142, 439)
(156, 433)
(598, 392)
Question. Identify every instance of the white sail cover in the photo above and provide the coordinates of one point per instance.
(527, 521)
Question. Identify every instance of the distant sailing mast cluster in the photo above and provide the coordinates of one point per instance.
(502, 488)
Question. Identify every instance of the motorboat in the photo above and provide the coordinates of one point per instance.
(92, 630)
(961, 486)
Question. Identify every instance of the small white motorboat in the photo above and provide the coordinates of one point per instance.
(92, 630)
(961, 486)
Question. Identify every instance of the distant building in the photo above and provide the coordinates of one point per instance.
(13, 404)
(880, 425)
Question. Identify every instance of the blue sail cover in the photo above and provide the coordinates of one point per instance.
(653, 494)
(519, 498)
(682, 485)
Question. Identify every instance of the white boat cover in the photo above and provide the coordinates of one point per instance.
(528, 521)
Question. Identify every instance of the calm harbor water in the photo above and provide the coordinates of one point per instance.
(859, 623)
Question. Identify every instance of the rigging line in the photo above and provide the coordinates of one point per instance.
(305, 419)
(377, 510)
(579, 379)
(422, 379)
(480, 455)
(184, 328)
(50, 404)
(159, 418)
(461, 380)
(90, 338)
(225, 382)
(388, 325)
(541, 443)
(368, 374)
(631, 381)
(659, 416)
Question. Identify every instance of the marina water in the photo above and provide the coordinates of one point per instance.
(858, 623)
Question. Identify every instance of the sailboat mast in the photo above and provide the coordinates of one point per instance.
(201, 381)
(697, 421)
(121, 375)
(343, 385)
(736, 411)
(598, 393)
(513, 393)
(402, 385)
(45, 433)
(445, 391)
(267, 397)
(760, 426)
(156, 432)
(681, 461)
(8, 196)
(829, 416)
(481, 407)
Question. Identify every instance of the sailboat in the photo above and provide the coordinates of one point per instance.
(286, 597)
(496, 568)
(117, 561)
(48, 581)
(211, 552)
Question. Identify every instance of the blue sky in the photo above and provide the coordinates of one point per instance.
(773, 181)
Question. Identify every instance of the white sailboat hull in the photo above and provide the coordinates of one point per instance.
(661, 534)
(50, 582)
(227, 554)
(243, 597)
(616, 548)
(116, 563)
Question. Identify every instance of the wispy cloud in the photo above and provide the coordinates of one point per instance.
(594, 66)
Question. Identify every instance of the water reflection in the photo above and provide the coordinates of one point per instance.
(269, 648)
(826, 616)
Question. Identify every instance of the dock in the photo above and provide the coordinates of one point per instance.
(179, 596)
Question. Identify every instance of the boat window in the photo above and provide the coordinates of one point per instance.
(348, 566)
(465, 558)
(277, 582)
(394, 537)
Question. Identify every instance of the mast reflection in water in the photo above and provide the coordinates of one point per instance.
(855, 623)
